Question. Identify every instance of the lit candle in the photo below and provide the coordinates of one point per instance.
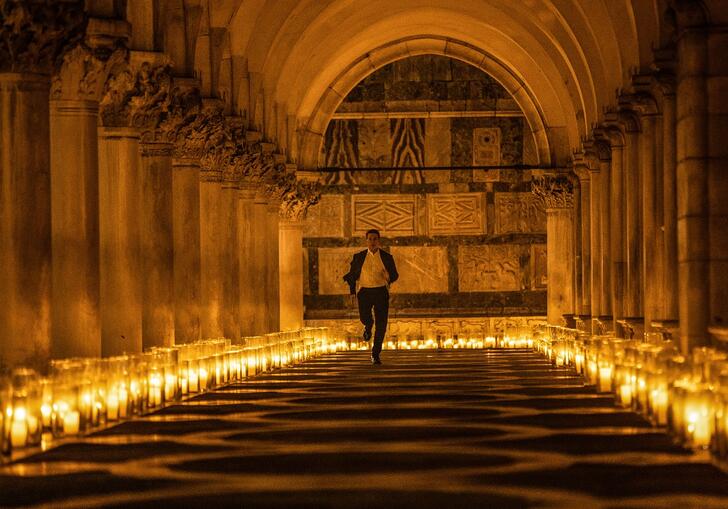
(112, 405)
(71, 422)
(19, 428)
(605, 378)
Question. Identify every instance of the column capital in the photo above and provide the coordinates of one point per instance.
(35, 33)
(156, 148)
(553, 191)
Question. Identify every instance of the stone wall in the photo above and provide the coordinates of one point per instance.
(467, 242)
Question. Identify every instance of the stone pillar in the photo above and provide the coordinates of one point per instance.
(211, 262)
(273, 309)
(692, 187)
(119, 234)
(186, 254)
(556, 195)
(584, 267)
(594, 239)
(291, 274)
(606, 317)
(652, 263)
(616, 228)
(247, 259)
(670, 292)
(25, 226)
(157, 245)
(229, 256)
(634, 319)
(717, 87)
(75, 321)
(259, 264)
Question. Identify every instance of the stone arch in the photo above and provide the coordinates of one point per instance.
(310, 136)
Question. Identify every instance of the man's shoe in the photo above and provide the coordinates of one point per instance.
(367, 334)
(375, 360)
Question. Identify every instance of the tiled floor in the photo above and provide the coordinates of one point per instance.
(427, 429)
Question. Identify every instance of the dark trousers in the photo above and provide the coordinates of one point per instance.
(377, 298)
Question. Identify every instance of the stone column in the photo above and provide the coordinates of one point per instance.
(717, 85)
(25, 226)
(75, 321)
(584, 269)
(157, 245)
(634, 319)
(259, 264)
(186, 251)
(230, 254)
(692, 187)
(211, 262)
(616, 228)
(670, 292)
(119, 233)
(247, 259)
(273, 310)
(556, 195)
(291, 273)
(652, 263)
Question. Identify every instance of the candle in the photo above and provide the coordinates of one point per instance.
(19, 428)
(71, 422)
(112, 406)
(605, 378)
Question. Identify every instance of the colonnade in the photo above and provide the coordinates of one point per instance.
(650, 221)
(134, 212)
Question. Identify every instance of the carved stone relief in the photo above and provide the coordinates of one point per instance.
(392, 215)
(553, 191)
(539, 273)
(486, 146)
(333, 263)
(489, 268)
(325, 219)
(455, 214)
(518, 213)
(421, 269)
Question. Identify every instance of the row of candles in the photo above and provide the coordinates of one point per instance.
(688, 394)
(82, 394)
(441, 341)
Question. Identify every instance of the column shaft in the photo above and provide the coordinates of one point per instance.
(75, 320)
(247, 265)
(617, 237)
(157, 246)
(119, 233)
(25, 225)
(186, 238)
(211, 266)
(595, 245)
(559, 263)
(230, 259)
(258, 260)
(585, 241)
(291, 274)
(605, 214)
(670, 311)
(652, 263)
(633, 231)
(272, 269)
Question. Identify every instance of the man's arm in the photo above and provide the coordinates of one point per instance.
(352, 276)
(391, 269)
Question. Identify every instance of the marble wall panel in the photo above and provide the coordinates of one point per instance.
(486, 146)
(539, 273)
(374, 143)
(326, 218)
(456, 214)
(421, 269)
(437, 148)
(518, 213)
(333, 263)
(392, 215)
(487, 268)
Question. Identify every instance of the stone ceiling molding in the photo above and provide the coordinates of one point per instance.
(35, 33)
(311, 136)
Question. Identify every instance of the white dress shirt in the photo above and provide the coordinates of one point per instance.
(373, 273)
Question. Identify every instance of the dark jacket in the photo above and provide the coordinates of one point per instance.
(358, 262)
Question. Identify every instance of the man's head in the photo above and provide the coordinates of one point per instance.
(373, 240)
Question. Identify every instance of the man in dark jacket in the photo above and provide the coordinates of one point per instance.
(374, 270)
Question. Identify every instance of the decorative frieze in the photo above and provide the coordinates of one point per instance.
(518, 213)
(34, 34)
(456, 214)
(553, 191)
(392, 215)
(488, 268)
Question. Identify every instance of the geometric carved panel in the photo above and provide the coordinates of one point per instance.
(487, 268)
(455, 214)
(538, 267)
(333, 263)
(421, 269)
(391, 214)
(326, 218)
(518, 213)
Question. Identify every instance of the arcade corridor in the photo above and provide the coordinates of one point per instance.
(428, 429)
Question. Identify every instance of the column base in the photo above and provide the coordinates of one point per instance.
(602, 325)
(670, 329)
(569, 321)
(719, 336)
(583, 323)
(631, 327)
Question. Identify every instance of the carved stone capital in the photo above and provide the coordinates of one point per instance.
(156, 149)
(553, 191)
(296, 196)
(34, 33)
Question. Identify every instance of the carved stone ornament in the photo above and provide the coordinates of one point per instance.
(296, 196)
(83, 71)
(553, 191)
(36, 32)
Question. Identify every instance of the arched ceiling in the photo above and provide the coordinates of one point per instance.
(569, 55)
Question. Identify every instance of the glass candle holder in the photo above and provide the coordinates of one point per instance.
(26, 426)
(6, 415)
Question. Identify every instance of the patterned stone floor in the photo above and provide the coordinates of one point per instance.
(455, 429)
